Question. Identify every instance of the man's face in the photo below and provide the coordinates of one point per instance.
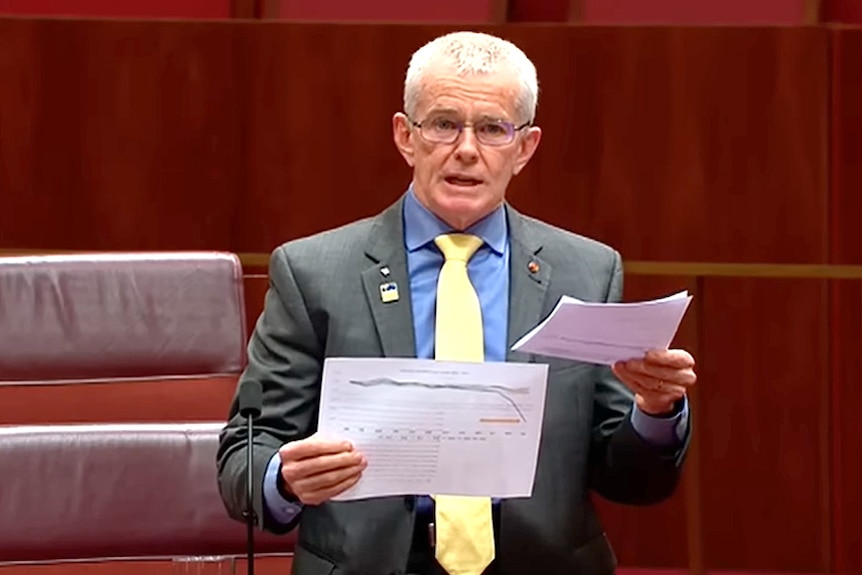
(463, 181)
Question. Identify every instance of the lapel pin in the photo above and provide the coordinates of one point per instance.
(533, 266)
(384, 271)
(388, 292)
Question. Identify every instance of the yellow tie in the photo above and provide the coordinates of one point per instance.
(464, 529)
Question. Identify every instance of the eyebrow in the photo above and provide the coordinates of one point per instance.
(453, 111)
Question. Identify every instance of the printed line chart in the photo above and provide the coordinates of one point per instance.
(503, 391)
(427, 426)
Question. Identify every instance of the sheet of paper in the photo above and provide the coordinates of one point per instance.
(431, 427)
(604, 333)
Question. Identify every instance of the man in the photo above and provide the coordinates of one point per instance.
(466, 130)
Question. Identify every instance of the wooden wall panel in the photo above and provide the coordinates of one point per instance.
(843, 11)
(846, 166)
(651, 136)
(313, 161)
(256, 285)
(118, 135)
(657, 140)
(124, 9)
(474, 11)
(764, 410)
(545, 11)
(846, 248)
(846, 428)
(694, 12)
(670, 144)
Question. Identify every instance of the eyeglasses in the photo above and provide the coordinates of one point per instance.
(444, 129)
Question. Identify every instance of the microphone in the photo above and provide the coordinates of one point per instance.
(250, 405)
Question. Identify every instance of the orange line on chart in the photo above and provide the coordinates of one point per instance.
(498, 420)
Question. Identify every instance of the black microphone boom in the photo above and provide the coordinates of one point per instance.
(250, 406)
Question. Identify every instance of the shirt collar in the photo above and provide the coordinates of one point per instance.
(421, 226)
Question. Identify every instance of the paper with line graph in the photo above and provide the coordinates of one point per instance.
(433, 427)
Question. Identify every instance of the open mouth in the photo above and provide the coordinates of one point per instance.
(462, 181)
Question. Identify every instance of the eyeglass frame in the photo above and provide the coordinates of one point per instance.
(463, 125)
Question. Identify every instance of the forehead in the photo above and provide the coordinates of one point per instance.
(494, 94)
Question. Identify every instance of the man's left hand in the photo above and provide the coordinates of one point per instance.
(659, 379)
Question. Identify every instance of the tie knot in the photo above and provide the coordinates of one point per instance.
(458, 246)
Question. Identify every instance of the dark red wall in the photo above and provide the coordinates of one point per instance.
(120, 8)
(698, 145)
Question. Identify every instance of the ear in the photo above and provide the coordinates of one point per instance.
(403, 137)
(527, 145)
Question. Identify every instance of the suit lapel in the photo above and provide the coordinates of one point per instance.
(529, 278)
(388, 265)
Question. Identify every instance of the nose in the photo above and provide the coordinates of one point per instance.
(466, 148)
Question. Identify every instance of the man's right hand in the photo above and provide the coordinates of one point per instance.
(317, 469)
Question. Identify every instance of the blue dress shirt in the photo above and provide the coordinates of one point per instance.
(489, 272)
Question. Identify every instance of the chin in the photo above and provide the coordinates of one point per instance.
(462, 209)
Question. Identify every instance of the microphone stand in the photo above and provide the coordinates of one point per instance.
(250, 516)
(250, 406)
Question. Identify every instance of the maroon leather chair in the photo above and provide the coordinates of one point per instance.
(116, 375)
(127, 491)
(120, 337)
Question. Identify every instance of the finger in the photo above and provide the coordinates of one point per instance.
(678, 358)
(658, 392)
(673, 375)
(321, 483)
(648, 385)
(294, 470)
(312, 447)
(325, 482)
(318, 497)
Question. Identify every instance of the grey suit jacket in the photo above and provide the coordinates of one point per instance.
(324, 301)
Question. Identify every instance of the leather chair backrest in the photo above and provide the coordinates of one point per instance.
(112, 334)
(116, 491)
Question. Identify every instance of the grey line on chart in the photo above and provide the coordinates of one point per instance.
(500, 390)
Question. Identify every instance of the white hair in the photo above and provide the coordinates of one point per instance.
(473, 53)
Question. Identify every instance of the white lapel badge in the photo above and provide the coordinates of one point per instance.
(388, 292)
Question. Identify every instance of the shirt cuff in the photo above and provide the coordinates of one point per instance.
(280, 509)
(662, 431)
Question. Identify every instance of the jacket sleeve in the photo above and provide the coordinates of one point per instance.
(624, 467)
(285, 356)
